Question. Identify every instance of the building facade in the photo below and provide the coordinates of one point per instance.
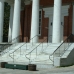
(39, 20)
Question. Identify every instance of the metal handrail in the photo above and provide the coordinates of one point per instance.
(9, 44)
(16, 38)
(25, 43)
(29, 58)
(65, 49)
(20, 47)
(36, 50)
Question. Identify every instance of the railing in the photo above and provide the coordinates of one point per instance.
(8, 44)
(58, 52)
(62, 48)
(14, 41)
(36, 50)
(4, 46)
(12, 54)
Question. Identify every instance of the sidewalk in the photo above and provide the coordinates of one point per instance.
(60, 70)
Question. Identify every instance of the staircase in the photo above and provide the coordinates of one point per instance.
(67, 59)
(19, 56)
(44, 55)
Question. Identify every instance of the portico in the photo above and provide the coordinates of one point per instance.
(46, 28)
(54, 14)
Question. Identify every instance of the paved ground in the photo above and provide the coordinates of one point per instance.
(60, 70)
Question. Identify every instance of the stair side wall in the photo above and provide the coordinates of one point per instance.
(69, 60)
(65, 61)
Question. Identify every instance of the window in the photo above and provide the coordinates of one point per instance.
(40, 21)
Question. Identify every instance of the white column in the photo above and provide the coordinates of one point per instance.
(10, 24)
(73, 22)
(35, 21)
(1, 20)
(16, 20)
(57, 22)
(50, 29)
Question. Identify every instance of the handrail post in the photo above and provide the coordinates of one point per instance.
(26, 46)
(36, 51)
(30, 58)
(63, 47)
(32, 42)
(20, 51)
(59, 52)
(13, 57)
(53, 58)
(42, 46)
(29, 61)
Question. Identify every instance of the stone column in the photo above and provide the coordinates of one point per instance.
(1, 20)
(35, 21)
(10, 24)
(57, 22)
(16, 21)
